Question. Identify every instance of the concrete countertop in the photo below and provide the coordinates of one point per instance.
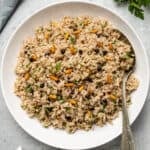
(11, 135)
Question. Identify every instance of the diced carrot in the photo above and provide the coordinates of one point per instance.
(76, 32)
(27, 76)
(108, 58)
(53, 49)
(72, 101)
(109, 79)
(100, 44)
(68, 71)
(52, 97)
(110, 46)
(89, 114)
(52, 77)
(112, 97)
(69, 84)
(47, 35)
(33, 57)
(73, 50)
(94, 31)
(81, 88)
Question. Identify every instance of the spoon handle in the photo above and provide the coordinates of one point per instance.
(127, 141)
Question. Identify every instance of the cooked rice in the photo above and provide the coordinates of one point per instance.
(69, 74)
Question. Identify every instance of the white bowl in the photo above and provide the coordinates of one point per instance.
(59, 138)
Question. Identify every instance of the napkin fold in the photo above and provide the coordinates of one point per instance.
(7, 8)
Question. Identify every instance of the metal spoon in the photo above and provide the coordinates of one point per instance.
(127, 141)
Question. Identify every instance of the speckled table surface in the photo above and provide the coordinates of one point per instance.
(11, 135)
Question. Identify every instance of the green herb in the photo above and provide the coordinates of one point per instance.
(67, 108)
(75, 82)
(105, 24)
(81, 24)
(128, 55)
(58, 66)
(29, 89)
(114, 42)
(61, 101)
(48, 109)
(72, 40)
(136, 6)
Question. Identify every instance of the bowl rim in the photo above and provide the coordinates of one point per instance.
(60, 3)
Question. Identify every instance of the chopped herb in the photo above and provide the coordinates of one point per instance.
(128, 55)
(48, 109)
(104, 25)
(59, 97)
(29, 89)
(72, 40)
(88, 96)
(61, 101)
(81, 24)
(27, 65)
(58, 66)
(75, 82)
(103, 103)
(135, 6)
(114, 42)
(67, 108)
(99, 67)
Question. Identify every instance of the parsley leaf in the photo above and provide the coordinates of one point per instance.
(136, 7)
(58, 66)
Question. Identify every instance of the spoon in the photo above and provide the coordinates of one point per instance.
(127, 141)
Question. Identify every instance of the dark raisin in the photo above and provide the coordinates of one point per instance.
(105, 52)
(80, 52)
(83, 42)
(41, 85)
(88, 96)
(57, 81)
(31, 59)
(89, 79)
(104, 102)
(96, 50)
(99, 84)
(99, 67)
(63, 51)
(75, 27)
(47, 54)
(98, 35)
(59, 92)
(72, 91)
(25, 52)
(114, 72)
(68, 118)
(91, 108)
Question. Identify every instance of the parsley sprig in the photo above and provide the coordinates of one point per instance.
(136, 7)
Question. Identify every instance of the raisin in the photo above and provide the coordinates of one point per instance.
(63, 51)
(41, 85)
(80, 52)
(96, 50)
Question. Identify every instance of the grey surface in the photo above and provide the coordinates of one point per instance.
(11, 135)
